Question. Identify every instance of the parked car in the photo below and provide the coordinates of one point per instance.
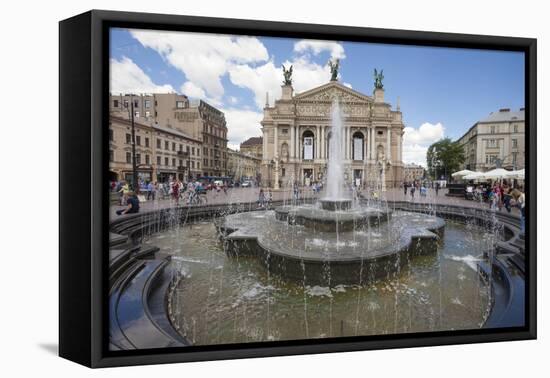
(246, 184)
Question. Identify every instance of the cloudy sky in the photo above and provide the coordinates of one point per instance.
(442, 91)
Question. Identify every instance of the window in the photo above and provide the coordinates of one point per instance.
(147, 114)
(111, 134)
(138, 158)
(180, 104)
(193, 164)
(146, 142)
(515, 128)
(158, 160)
(173, 162)
(126, 103)
(128, 158)
(111, 155)
(158, 143)
(136, 103)
(173, 146)
(514, 158)
(181, 148)
(138, 140)
(181, 163)
(115, 103)
(147, 160)
(166, 161)
(283, 171)
(380, 133)
(147, 104)
(284, 131)
(166, 145)
(136, 114)
(514, 143)
(198, 165)
(193, 151)
(493, 128)
(187, 149)
(128, 138)
(198, 152)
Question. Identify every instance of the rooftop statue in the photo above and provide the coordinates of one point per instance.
(287, 75)
(334, 65)
(378, 77)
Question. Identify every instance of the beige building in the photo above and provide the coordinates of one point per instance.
(161, 152)
(413, 172)
(498, 140)
(252, 146)
(173, 111)
(242, 165)
(297, 128)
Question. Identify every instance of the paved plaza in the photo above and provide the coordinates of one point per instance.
(240, 195)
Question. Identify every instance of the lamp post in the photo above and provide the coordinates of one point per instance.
(135, 179)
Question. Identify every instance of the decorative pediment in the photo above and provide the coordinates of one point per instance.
(331, 90)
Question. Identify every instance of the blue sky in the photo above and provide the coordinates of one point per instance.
(442, 91)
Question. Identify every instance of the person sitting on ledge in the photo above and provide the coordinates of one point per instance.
(132, 204)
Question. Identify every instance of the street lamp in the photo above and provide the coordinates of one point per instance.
(135, 182)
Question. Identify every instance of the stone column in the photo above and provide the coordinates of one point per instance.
(292, 140)
(276, 141)
(264, 145)
(372, 143)
(317, 142)
(276, 183)
(366, 150)
(388, 145)
(322, 142)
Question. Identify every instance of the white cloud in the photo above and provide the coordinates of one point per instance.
(128, 77)
(336, 49)
(241, 125)
(348, 85)
(191, 90)
(417, 141)
(203, 58)
(269, 78)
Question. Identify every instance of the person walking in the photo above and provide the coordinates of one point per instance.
(437, 188)
(405, 189)
(124, 190)
(519, 199)
(176, 191)
(412, 192)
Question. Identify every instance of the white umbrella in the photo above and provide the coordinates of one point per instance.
(519, 174)
(473, 176)
(464, 172)
(496, 174)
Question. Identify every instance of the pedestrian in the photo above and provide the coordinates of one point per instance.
(412, 192)
(261, 198)
(132, 204)
(176, 191)
(519, 199)
(149, 190)
(437, 188)
(124, 190)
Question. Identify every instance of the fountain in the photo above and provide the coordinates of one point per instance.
(333, 232)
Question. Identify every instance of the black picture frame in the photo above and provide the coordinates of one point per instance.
(83, 151)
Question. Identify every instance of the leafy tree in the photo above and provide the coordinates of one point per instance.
(444, 157)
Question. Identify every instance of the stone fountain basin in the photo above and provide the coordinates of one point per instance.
(331, 220)
(299, 253)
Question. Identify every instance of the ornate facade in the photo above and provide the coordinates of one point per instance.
(297, 128)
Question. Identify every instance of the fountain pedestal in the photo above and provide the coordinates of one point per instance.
(335, 204)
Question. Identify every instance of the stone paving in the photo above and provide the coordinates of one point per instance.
(236, 195)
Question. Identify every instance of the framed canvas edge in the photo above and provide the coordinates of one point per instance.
(99, 207)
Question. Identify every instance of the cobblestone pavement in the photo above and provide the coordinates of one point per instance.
(236, 195)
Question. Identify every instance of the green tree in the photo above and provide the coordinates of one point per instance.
(444, 157)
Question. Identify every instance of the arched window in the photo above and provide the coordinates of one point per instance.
(308, 145)
(358, 146)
